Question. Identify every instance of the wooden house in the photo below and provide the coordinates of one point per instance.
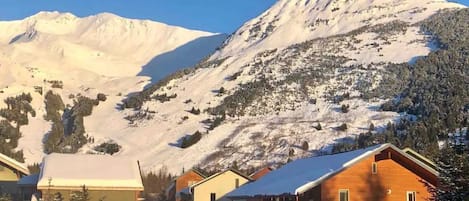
(382, 172)
(179, 187)
(10, 172)
(216, 186)
(105, 177)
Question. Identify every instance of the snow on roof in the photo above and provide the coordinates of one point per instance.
(29, 180)
(14, 164)
(419, 157)
(97, 172)
(303, 174)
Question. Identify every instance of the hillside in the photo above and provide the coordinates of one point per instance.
(302, 76)
(69, 55)
(303, 71)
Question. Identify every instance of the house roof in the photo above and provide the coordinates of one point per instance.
(220, 173)
(195, 170)
(260, 173)
(419, 157)
(173, 182)
(301, 175)
(96, 172)
(14, 164)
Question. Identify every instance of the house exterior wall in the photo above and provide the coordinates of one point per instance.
(8, 180)
(220, 185)
(184, 180)
(96, 195)
(7, 174)
(391, 182)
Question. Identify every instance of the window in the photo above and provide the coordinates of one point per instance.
(213, 196)
(374, 168)
(343, 195)
(411, 196)
(236, 183)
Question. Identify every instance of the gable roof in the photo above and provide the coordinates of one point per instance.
(220, 173)
(195, 170)
(96, 172)
(419, 157)
(14, 164)
(301, 175)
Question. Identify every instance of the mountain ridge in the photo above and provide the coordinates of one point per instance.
(255, 102)
(97, 54)
(260, 100)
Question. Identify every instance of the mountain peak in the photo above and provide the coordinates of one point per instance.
(289, 22)
(107, 16)
(50, 15)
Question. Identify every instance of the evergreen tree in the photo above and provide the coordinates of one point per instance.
(453, 166)
(305, 146)
(235, 165)
(371, 128)
(291, 153)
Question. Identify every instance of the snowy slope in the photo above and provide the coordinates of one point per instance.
(345, 42)
(290, 22)
(104, 53)
(104, 44)
(304, 53)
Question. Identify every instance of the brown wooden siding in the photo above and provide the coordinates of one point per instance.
(182, 182)
(396, 175)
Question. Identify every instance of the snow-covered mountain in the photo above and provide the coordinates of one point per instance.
(104, 53)
(278, 78)
(295, 74)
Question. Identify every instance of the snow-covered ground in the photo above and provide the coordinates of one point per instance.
(104, 53)
(96, 54)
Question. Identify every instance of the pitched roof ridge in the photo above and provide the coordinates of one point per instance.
(345, 165)
(14, 164)
(259, 170)
(222, 172)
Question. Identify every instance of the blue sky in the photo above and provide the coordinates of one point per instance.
(223, 16)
